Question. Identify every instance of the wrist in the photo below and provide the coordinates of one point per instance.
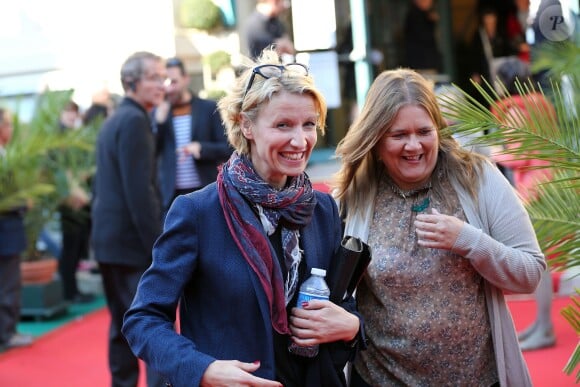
(353, 333)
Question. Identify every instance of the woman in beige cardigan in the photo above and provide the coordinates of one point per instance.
(448, 235)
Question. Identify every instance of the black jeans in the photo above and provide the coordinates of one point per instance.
(120, 285)
(10, 290)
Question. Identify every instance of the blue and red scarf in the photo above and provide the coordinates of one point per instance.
(240, 188)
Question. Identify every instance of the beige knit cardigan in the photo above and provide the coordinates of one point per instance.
(499, 240)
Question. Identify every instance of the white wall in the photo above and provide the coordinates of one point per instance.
(65, 44)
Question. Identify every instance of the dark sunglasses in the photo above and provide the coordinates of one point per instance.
(275, 71)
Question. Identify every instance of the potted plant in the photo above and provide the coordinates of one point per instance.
(41, 166)
(199, 14)
(554, 213)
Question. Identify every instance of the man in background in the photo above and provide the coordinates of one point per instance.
(126, 210)
(75, 221)
(420, 40)
(191, 139)
(264, 28)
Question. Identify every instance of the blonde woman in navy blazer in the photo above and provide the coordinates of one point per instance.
(233, 255)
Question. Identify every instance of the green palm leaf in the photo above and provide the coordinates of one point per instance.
(572, 314)
(42, 163)
(555, 213)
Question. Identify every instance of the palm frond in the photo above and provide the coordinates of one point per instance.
(538, 135)
(555, 215)
(559, 58)
(21, 197)
(572, 314)
(43, 162)
(29, 154)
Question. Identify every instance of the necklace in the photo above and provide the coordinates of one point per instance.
(419, 207)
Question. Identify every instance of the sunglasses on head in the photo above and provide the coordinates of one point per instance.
(275, 71)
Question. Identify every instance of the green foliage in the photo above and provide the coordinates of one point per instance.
(43, 162)
(215, 94)
(217, 60)
(572, 314)
(199, 14)
(560, 58)
(539, 136)
(556, 221)
(555, 212)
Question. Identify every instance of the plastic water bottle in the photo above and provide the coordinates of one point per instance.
(314, 288)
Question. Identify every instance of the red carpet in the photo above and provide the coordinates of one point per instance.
(546, 365)
(75, 355)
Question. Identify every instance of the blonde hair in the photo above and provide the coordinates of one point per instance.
(233, 105)
(357, 179)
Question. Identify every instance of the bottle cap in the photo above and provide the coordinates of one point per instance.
(317, 271)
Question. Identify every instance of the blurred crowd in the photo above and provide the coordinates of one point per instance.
(161, 140)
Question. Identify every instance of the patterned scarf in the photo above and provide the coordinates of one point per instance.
(291, 208)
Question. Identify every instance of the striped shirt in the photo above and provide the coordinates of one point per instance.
(186, 174)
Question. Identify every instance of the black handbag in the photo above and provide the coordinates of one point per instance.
(347, 268)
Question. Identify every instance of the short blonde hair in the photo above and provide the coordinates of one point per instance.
(239, 102)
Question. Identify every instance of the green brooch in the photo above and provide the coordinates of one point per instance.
(421, 206)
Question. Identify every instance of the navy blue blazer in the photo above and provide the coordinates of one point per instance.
(126, 210)
(207, 129)
(12, 232)
(224, 312)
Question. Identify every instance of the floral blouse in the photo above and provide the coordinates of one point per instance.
(425, 311)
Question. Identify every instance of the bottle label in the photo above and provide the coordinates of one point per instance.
(304, 297)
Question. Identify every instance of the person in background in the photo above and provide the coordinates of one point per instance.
(528, 174)
(264, 28)
(233, 255)
(497, 45)
(448, 236)
(517, 24)
(70, 116)
(420, 39)
(191, 139)
(102, 106)
(126, 209)
(12, 244)
(75, 222)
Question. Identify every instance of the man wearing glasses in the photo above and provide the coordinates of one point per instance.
(127, 211)
(191, 139)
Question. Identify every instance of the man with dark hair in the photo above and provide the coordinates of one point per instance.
(126, 211)
(190, 137)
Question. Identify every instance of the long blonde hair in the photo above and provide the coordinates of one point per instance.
(357, 179)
